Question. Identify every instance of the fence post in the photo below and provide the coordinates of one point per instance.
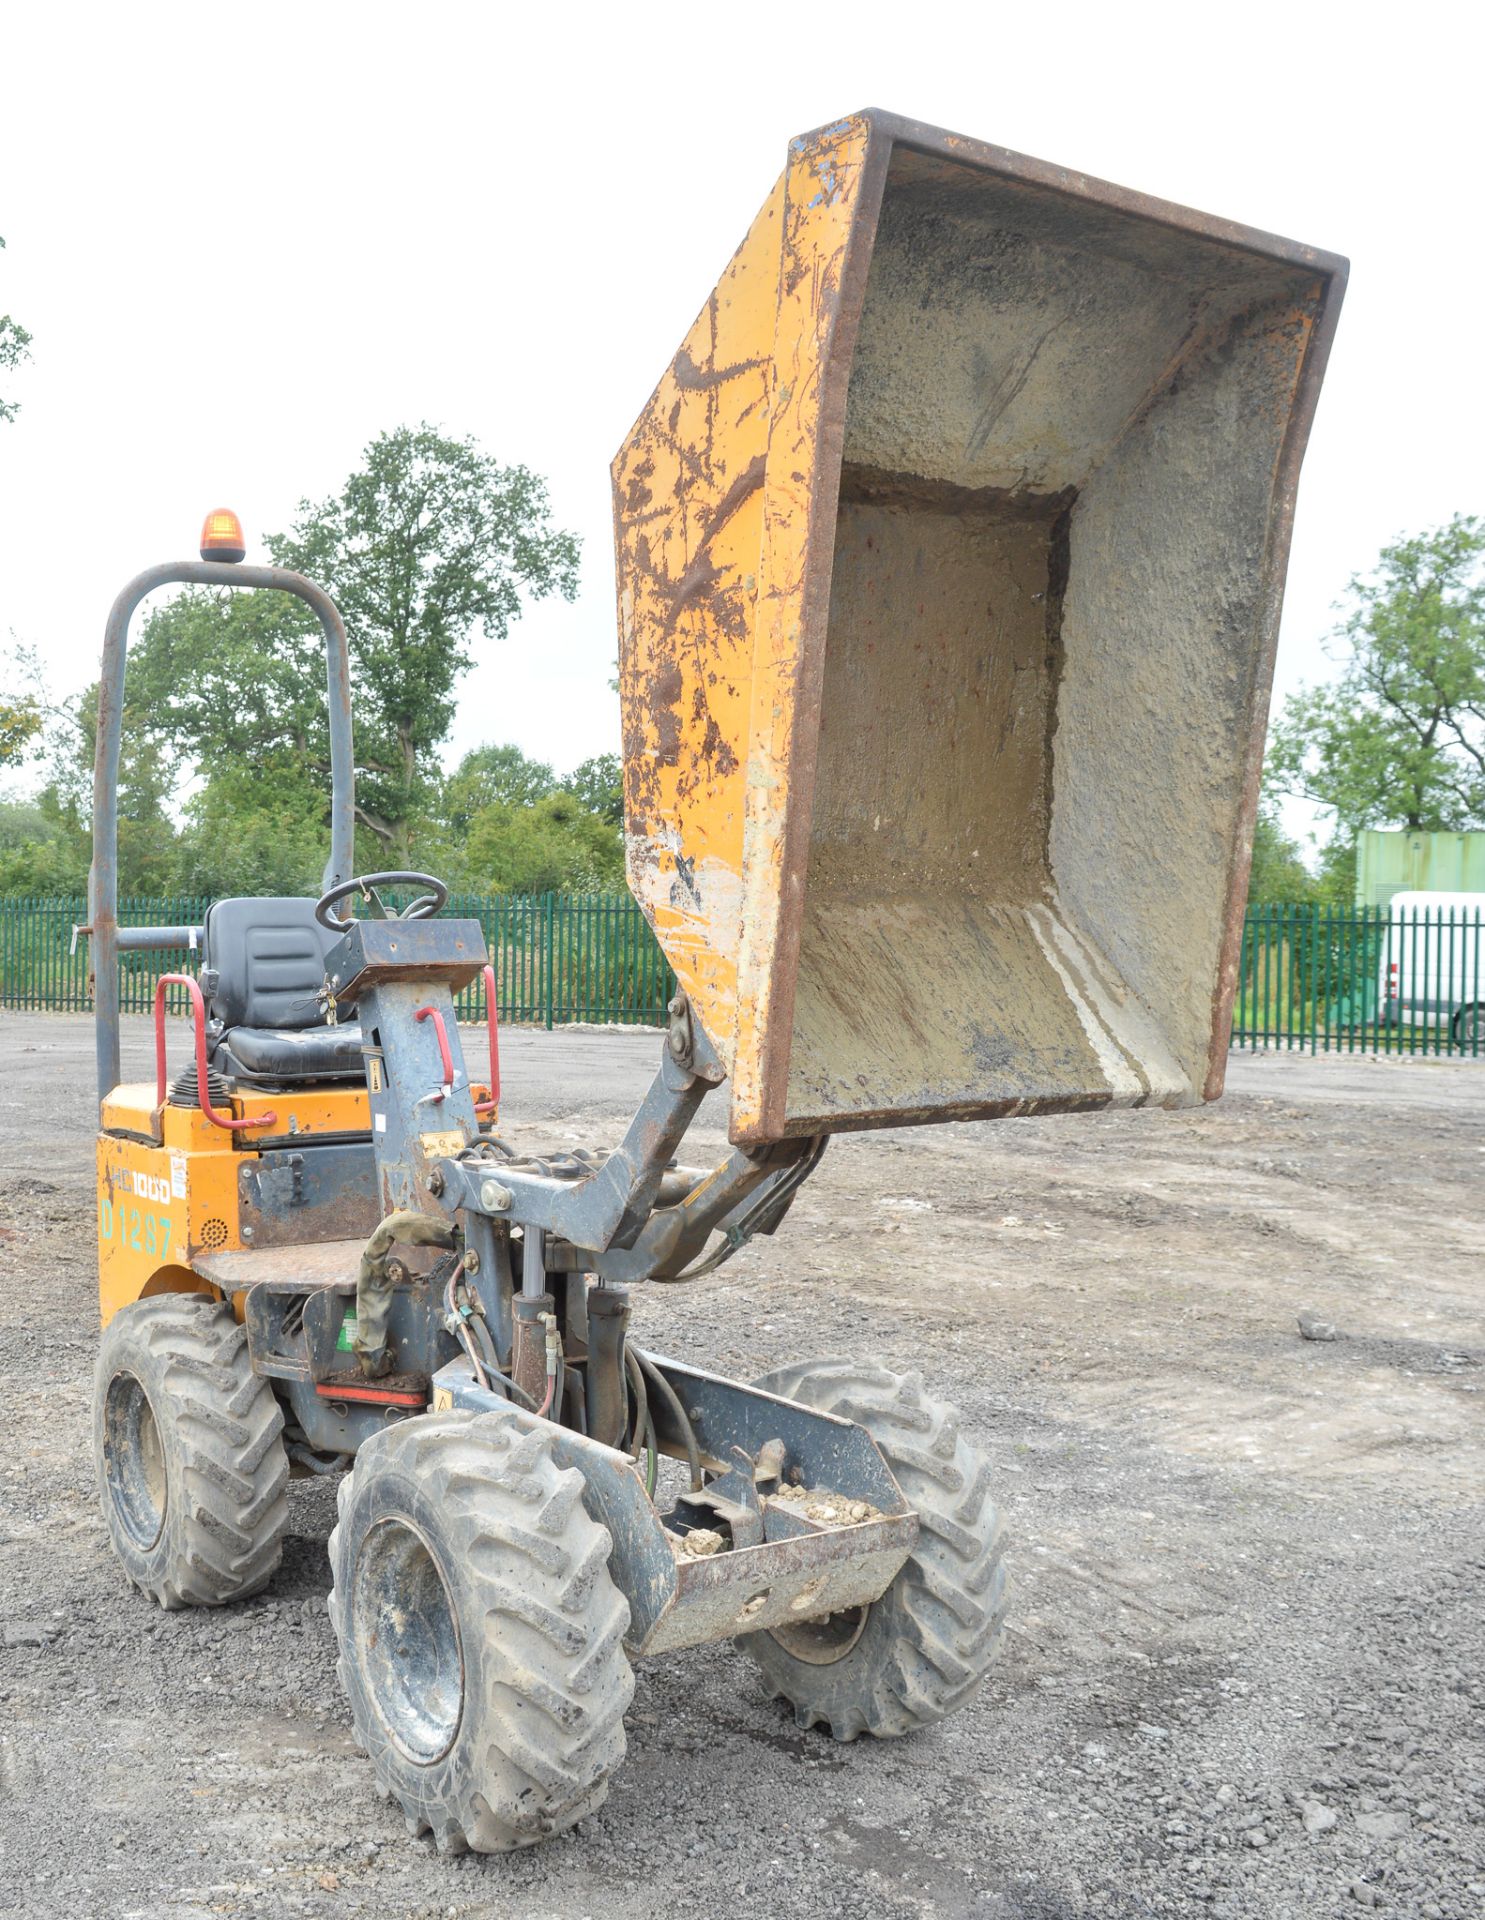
(549, 916)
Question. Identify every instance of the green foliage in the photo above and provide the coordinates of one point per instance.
(1279, 876)
(261, 831)
(509, 826)
(14, 345)
(1399, 739)
(20, 724)
(429, 545)
(22, 707)
(599, 785)
(1335, 882)
(232, 679)
(554, 845)
(38, 856)
(425, 550)
(146, 782)
(493, 777)
(49, 842)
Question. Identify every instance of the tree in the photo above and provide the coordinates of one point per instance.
(233, 679)
(14, 345)
(491, 777)
(1279, 876)
(551, 846)
(20, 723)
(1398, 740)
(38, 855)
(261, 831)
(599, 784)
(146, 835)
(23, 709)
(430, 544)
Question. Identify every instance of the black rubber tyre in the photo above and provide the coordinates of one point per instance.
(922, 1650)
(192, 1473)
(481, 1636)
(1469, 1029)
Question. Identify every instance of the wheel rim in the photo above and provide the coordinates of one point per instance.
(821, 1642)
(134, 1461)
(407, 1641)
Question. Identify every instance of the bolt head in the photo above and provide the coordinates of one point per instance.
(493, 1197)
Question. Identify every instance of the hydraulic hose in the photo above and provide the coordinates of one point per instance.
(678, 1413)
(760, 1217)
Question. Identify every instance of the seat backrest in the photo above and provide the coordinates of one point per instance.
(263, 963)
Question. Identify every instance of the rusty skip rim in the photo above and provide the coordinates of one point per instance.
(885, 131)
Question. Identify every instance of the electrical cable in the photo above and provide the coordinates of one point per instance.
(486, 1370)
(643, 1434)
(464, 1331)
(518, 1394)
(760, 1216)
(682, 1419)
(479, 1327)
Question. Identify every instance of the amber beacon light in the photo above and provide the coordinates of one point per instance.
(221, 536)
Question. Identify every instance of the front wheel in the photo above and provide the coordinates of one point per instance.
(192, 1473)
(921, 1651)
(481, 1635)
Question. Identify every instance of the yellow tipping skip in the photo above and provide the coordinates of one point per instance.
(950, 553)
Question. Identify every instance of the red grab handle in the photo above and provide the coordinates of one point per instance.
(198, 1007)
(492, 1021)
(433, 1014)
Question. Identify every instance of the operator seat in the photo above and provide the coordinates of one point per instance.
(262, 971)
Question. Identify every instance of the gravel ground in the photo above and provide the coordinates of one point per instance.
(1247, 1664)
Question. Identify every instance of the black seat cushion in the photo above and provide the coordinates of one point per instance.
(271, 1054)
(262, 971)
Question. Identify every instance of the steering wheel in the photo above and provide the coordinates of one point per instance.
(366, 884)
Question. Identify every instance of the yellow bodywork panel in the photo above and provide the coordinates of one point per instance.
(950, 551)
(168, 1182)
(711, 578)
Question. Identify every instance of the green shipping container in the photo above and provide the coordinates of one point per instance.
(1389, 863)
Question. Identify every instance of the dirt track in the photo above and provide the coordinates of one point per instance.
(1245, 1676)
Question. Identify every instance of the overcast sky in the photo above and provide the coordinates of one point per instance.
(248, 238)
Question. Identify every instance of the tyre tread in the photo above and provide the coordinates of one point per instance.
(950, 1596)
(558, 1680)
(228, 1427)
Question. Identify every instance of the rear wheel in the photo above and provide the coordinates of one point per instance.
(191, 1465)
(1469, 1029)
(481, 1636)
(921, 1651)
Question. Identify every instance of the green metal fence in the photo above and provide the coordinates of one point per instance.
(1353, 980)
(1362, 980)
(558, 957)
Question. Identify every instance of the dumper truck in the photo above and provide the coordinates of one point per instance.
(950, 550)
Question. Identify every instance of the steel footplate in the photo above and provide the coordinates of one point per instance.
(781, 1506)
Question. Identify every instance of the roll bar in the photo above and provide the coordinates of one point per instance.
(103, 877)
